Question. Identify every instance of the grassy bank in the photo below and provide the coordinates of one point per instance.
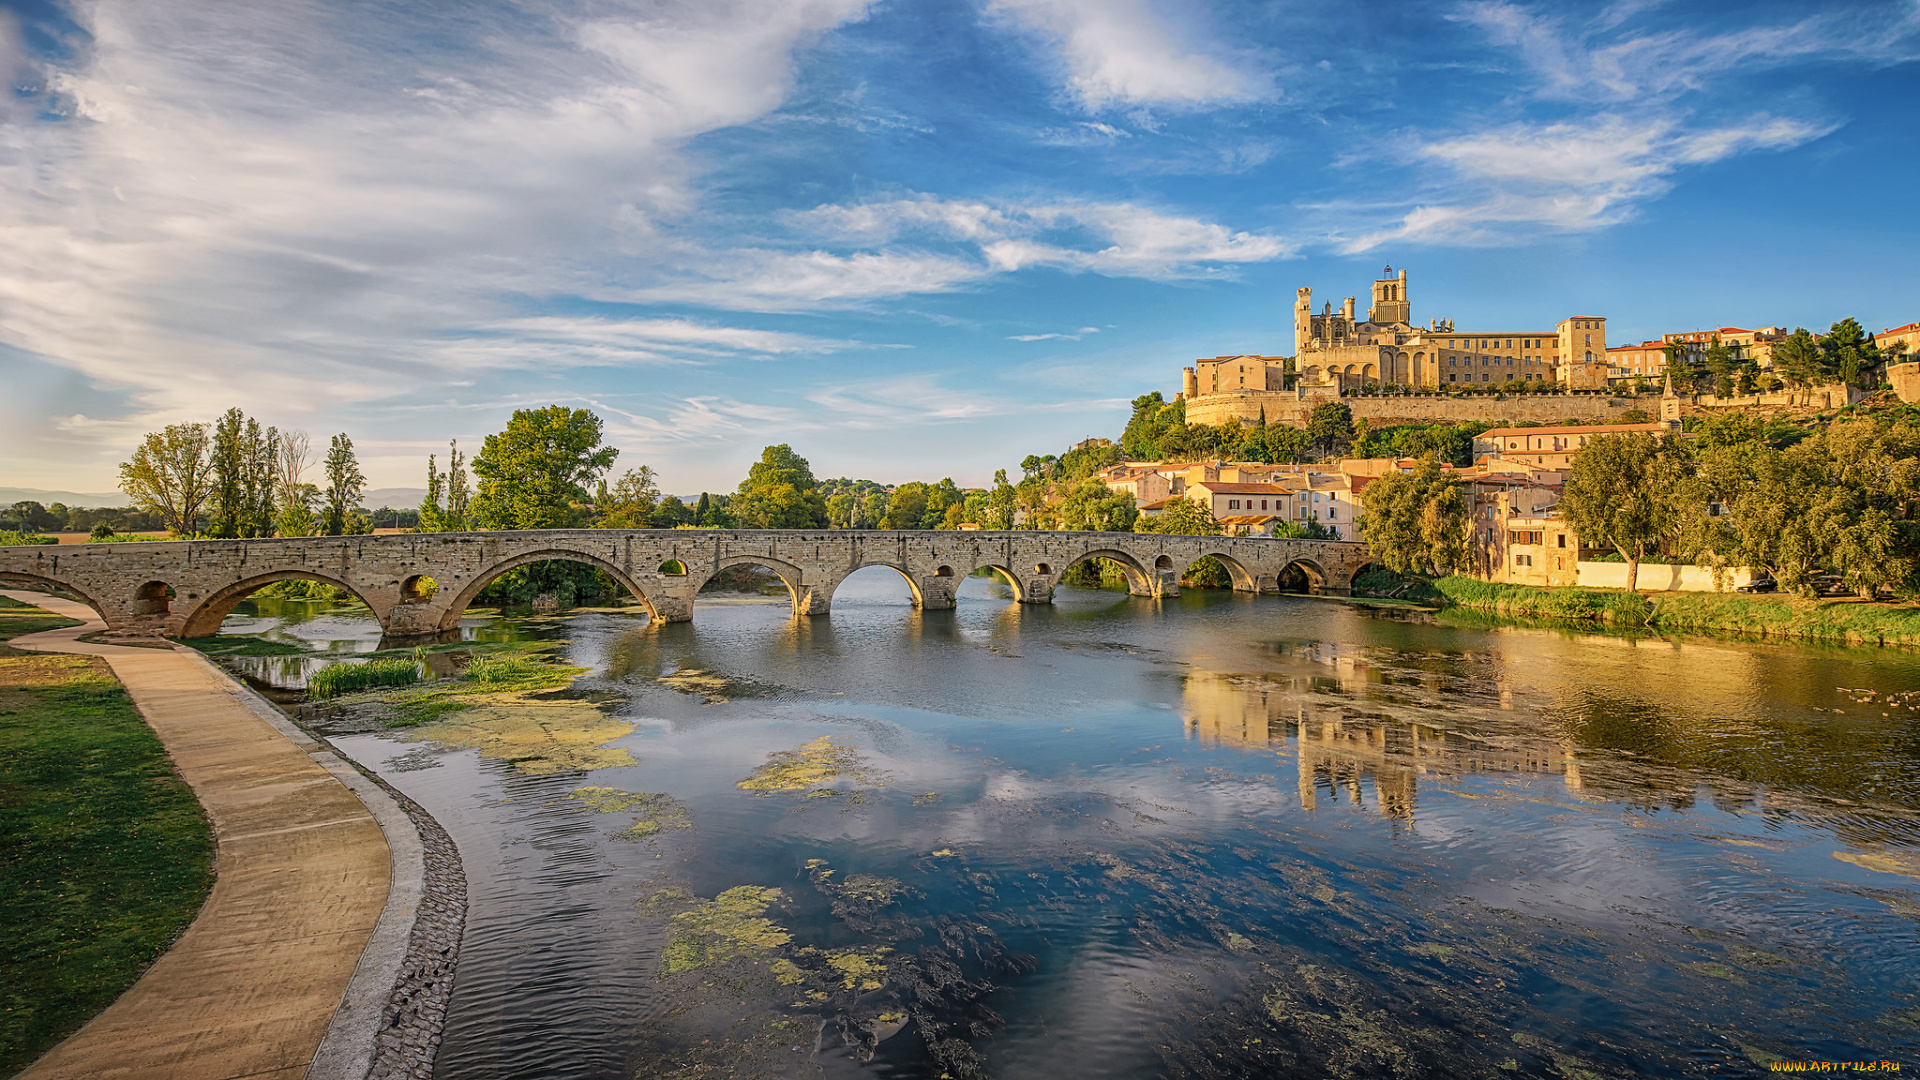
(17, 618)
(1850, 622)
(105, 856)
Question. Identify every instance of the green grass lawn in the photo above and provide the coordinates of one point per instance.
(17, 618)
(105, 857)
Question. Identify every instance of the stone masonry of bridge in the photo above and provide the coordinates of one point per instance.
(185, 588)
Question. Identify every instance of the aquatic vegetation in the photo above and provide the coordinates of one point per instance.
(859, 968)
(245, 645)
(337, 679)
(731, 926)
(1884, 862)
(517, 671)
(655, 812)
(926, 798)
(806, 770)
(714, 688)
(537, 737)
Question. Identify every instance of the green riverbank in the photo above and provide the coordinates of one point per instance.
(105, 857)
(1846, 621)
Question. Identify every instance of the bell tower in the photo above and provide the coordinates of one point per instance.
(1390, 303)
(1302, 319)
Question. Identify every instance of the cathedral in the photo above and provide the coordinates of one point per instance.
(1335, 351)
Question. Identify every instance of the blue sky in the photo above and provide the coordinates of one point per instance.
(913, 239)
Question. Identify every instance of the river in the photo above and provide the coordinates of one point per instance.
(1212, 836)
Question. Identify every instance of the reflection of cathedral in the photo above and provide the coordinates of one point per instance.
(1339, 753)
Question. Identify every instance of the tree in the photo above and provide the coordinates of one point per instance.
(433, 515)
(345, 482)
(1416, 522)
(534, 475)
(631, 502)
(170, 475)
(227, 509)
(780, 492)
(293, 456)
(1001, 502)
(459, 514)
(1330, 427)
(906, 507)
(1623, 492)
(1182, 517)
(1094, 506)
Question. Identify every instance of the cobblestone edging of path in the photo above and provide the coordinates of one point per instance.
(417, 1010)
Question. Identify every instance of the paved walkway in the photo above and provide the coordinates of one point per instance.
(302, 873)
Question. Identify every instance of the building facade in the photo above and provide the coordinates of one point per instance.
(1336, 350)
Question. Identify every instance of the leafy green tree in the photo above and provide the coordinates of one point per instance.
(1001, 503)
(1624, 492)
(534, 475)
(1798, 359)
(433, 515)
(345, 482)
(672, 513)
(1330, 427)
(631, 502)
(1416, 522)
(170, 475)
(1092, 505)
(780, 492)
(873, 509)
(1182, 517)
(907, 506)
(227, 507)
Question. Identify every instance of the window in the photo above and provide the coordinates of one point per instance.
(1562, 538)
(1263, 504)
(1233, 504)
(1523, 560)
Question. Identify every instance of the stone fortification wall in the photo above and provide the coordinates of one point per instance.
(1837, 396)
(1288, 407)
(1905, 380)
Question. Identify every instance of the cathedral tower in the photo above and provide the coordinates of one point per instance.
(1390, 303)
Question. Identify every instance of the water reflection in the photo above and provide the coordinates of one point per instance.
(1207, 836)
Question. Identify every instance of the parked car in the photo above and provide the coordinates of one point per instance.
(1758, 585)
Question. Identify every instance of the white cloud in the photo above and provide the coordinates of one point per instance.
(287, 206)
(1139, 53)
(1568, 177)
(1580, 64)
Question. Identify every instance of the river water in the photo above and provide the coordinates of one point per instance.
(1211, 836)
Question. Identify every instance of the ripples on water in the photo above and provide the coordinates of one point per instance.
(1214, 836)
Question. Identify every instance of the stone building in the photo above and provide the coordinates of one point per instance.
(1336, 350)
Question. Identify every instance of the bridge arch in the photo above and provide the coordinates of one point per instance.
(450, 618)
(35, 581)
(1317, 578)
(1139, 578)
(1007, 577)
(790, 575)
(913, 585)
(1242, 578)
(204, 618)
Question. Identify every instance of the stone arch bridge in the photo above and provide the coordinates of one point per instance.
(185, 588)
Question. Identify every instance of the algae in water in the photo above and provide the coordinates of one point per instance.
(807, 770)
(537, 737)
(656, 812)
(731, 926)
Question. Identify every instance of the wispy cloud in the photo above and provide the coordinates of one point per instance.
(1572, 177)
(1580, 63)
(1140, 53)
(1075, 336)
(332, 201)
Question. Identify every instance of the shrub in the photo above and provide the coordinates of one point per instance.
(10, 537)
(346, 678)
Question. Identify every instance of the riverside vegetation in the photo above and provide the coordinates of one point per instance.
(106, 855)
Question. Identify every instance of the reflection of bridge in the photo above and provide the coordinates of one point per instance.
(185, 588)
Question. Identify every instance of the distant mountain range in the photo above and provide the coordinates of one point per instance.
(390, 498)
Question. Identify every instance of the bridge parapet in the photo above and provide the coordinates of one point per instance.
(185, 588)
